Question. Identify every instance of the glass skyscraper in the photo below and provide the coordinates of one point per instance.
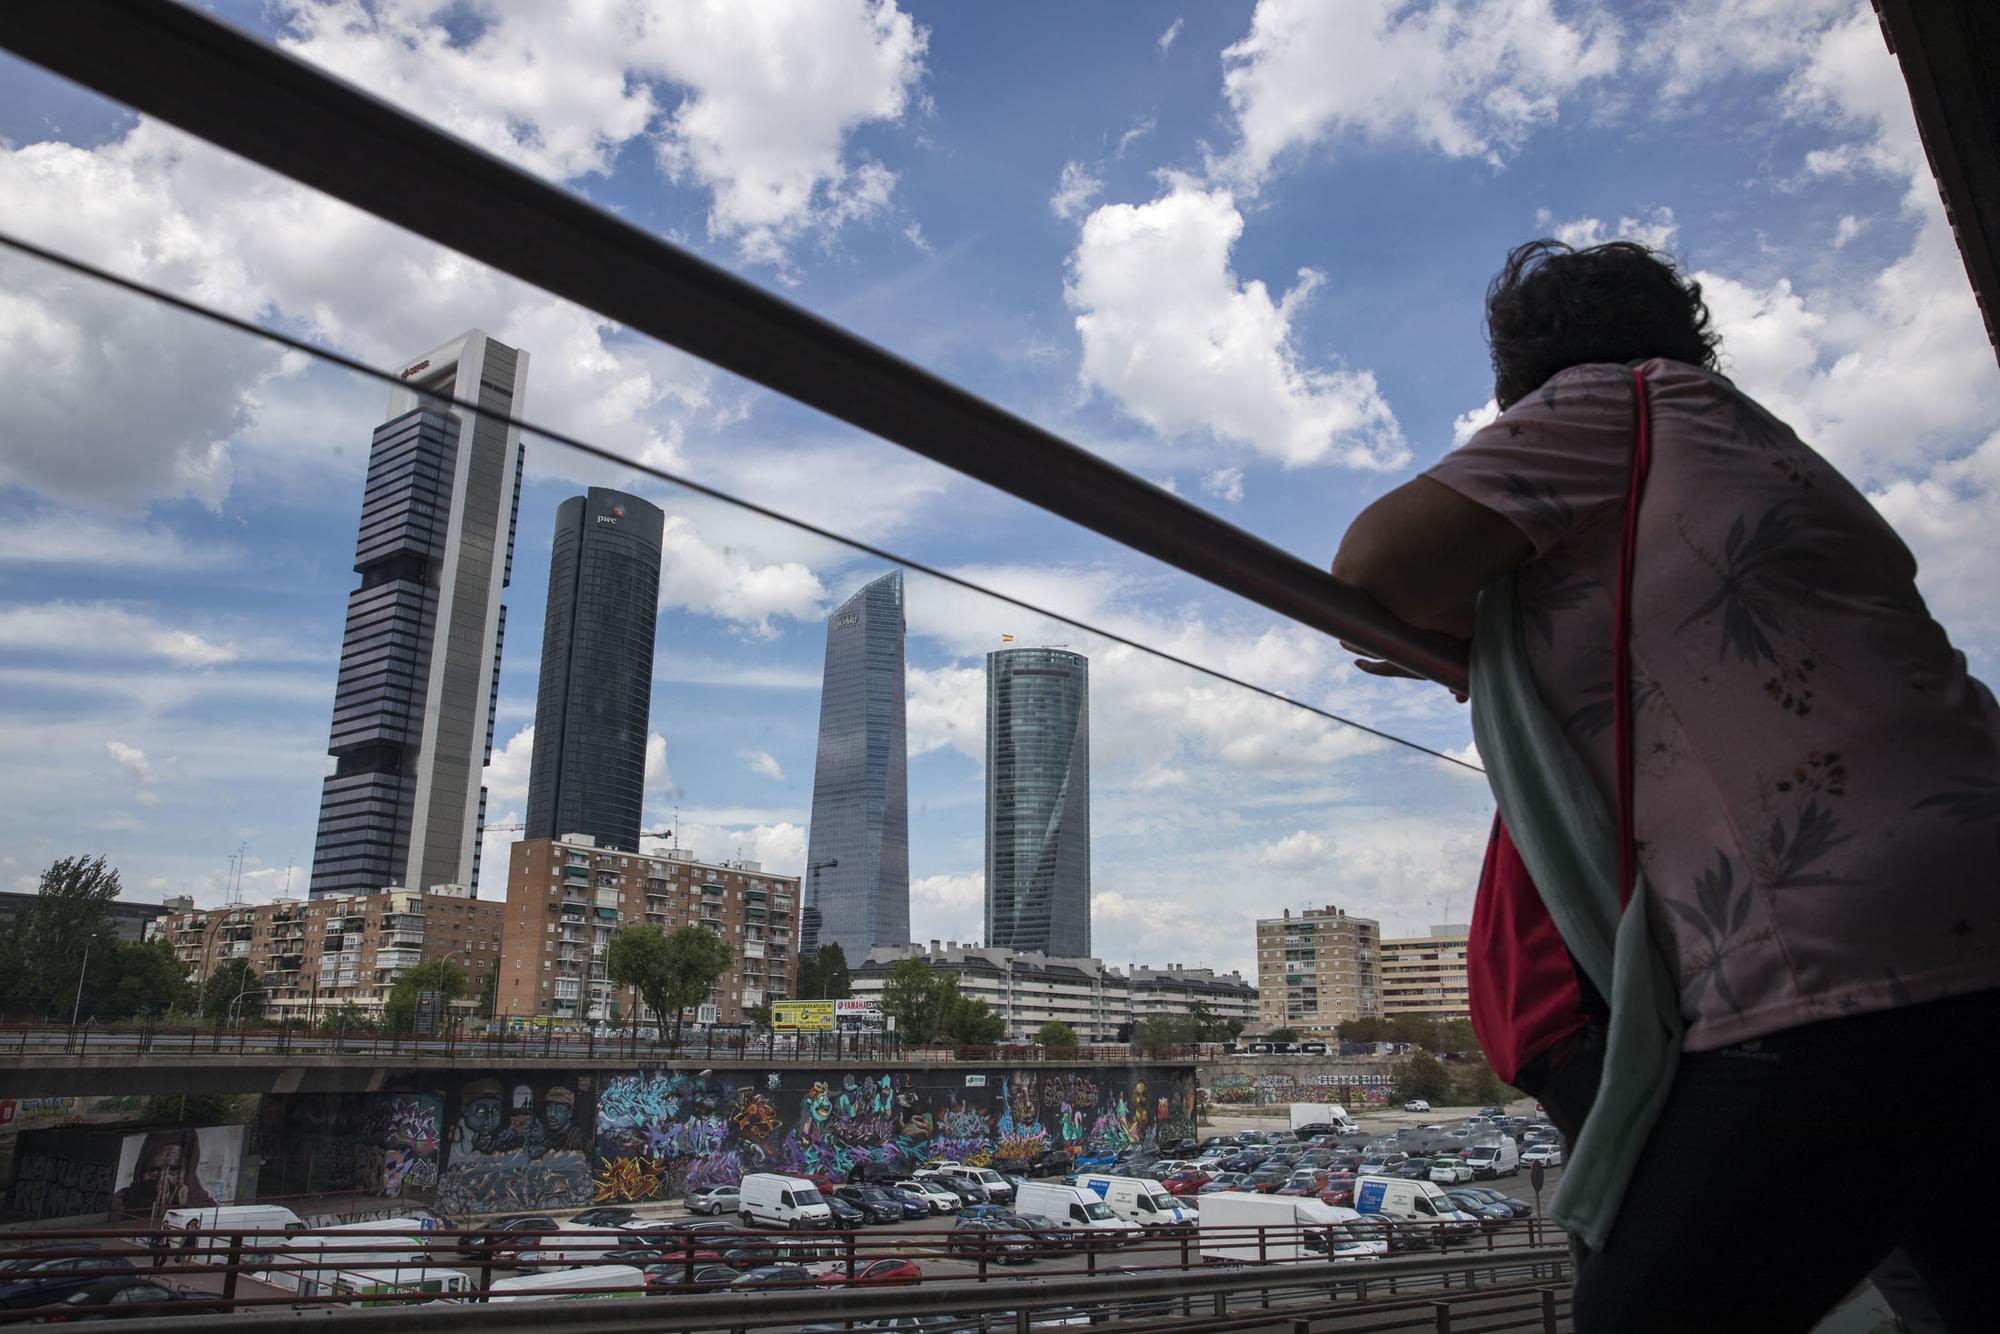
(588, 774)
(420, 654)
(858, 857)
(1038, 801)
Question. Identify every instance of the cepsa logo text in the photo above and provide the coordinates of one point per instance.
(420, 366)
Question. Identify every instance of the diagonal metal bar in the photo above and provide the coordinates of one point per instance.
(244, 95)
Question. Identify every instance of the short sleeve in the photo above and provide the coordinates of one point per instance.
(1556, 461)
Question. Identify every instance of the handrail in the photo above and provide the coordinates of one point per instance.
(252, 99)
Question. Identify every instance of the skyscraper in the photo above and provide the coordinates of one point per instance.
(420, 655)
(1038, 801)
(858, 856)
(588, 775)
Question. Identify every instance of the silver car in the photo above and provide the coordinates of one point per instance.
(712, 1200)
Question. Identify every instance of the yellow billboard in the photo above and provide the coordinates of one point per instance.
(807, 1016)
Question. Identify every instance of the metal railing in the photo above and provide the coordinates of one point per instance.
(266, 1276)
(247, 96)
(626, 1044)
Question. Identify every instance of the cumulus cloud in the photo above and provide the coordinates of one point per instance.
(1466, 424)
(1182, 344)
(762, 763)
(1224, 484)
(946, 707)
(657, 778)
(99, 629)
(948, 907)
(1074, 191)
(507, 771)
(1847, 229)
(1656, 229)
(780, 845)
(1946, 515)
(725, 582)
(1303, 848)
(75, 539)
(138, 768)
(1695, 42)
(1467, 78)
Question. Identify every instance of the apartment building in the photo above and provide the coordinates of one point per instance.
(1425, 975)
(1175, 989)
(311, 956)
(1316, 970)
(1025, 988)
(567, 897)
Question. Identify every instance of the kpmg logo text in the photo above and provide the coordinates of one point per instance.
(412, 370)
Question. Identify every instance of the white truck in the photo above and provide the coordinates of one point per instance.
(1403, 1201)
(1318, 1117)
(1075, 1208)
(1137, 1200)
(1244, 1227)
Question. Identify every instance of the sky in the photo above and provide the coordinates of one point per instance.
(1236, 248)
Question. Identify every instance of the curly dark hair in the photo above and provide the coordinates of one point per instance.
(1554, 306)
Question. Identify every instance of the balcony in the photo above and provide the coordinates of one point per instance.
(607, 898)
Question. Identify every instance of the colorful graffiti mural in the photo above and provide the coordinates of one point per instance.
(522, 1142)
(660, 1133)
(1364, 1089)
(396, 1150)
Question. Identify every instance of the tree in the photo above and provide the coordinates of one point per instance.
(825, 976)
(1236, 1027)
(758, 1016)
(1421, 1076)
(231, 992)
(1282, 1035)
(919, 998)
(347, 1017)
(42, 961)
(137, 979)
(1057, 1034)
(489, 993)
(1478, 1086)
(1208, 1026)
(972, 1023)
(1163, 1030)
(439, 975)
(670, 972)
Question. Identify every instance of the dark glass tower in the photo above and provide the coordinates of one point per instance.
(420, 655)
(1038, 801)
(860, 838)
(588, 775)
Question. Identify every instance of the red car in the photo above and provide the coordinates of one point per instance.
(887, 1273)
(1185, 1183)
(1338, 1191)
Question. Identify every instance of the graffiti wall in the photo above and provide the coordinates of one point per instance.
(1359, 1087)
(383, 1144)
(659, 1133)
(522, 1142)
(63, 1173)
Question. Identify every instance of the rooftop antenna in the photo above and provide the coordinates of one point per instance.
(289, 863)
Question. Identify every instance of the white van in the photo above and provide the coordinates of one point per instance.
(203, 1234)
(544, 1285)
(794, 1202)
(1243, 1227)
(384, 1245)
(573, 1245)
(1137, 1200)
(1403, 1201)
(1074, 1207)
(385, 1286)
(1493, 1160)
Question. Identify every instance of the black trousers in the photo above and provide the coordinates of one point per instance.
(1783, 1170)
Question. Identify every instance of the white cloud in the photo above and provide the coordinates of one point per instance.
(762, 763)
(1468, 78)
(948, 907)
(1183, 345)
(507, 771)
(1138, 130)
(1224, 484)
(779, 846)
(99, 629)
(74, 539)
(1466, 424)
(767, 94)
(657, 778)
(1694, 42)
(1656, 229)
(1850, 80)
(946, 706)
(1947, 517)
(1074, 191)
(1303, 848)
(132, 760)
(1848, 228)
(1165, 41)
(724, 582)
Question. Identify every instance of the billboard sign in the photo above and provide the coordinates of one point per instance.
(858, 1016)
(809, 1016)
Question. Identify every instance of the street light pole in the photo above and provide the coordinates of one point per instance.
(77, 1008)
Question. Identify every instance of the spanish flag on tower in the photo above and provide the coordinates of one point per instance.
(1006, 639)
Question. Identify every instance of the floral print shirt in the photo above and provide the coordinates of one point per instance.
(1818, 776)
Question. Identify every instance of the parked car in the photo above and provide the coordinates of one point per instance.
(1492, 1111)
(876, 1205)
(1548, 1155)
(1416, 1105)
(505, 1238)
(668, 1277)
(712, 1200)
(844, 1214)
(1053, 1163)
(123, 1295)
(937, 1198)
(997, 1188)
(1487, 1212)
(1049, 1235)
(1247, 1161)
(986, 1211)
(608, 1217)
(885, 1273)
(774, 1276)
(1266, 1179)
(999, 1240)
(1338, 1191)
(1450, 1170)
(1515, 1208)
(36, 1278)
(1416, 1169)
(1380, 1164)
(1185, 1182)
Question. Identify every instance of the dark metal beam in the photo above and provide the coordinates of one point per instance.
(244, 95)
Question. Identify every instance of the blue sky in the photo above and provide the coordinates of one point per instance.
(1237, 248)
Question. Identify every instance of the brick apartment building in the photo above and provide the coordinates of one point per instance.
(1316, 970)
(1425, 976)
(315, 955)
(567, 897)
